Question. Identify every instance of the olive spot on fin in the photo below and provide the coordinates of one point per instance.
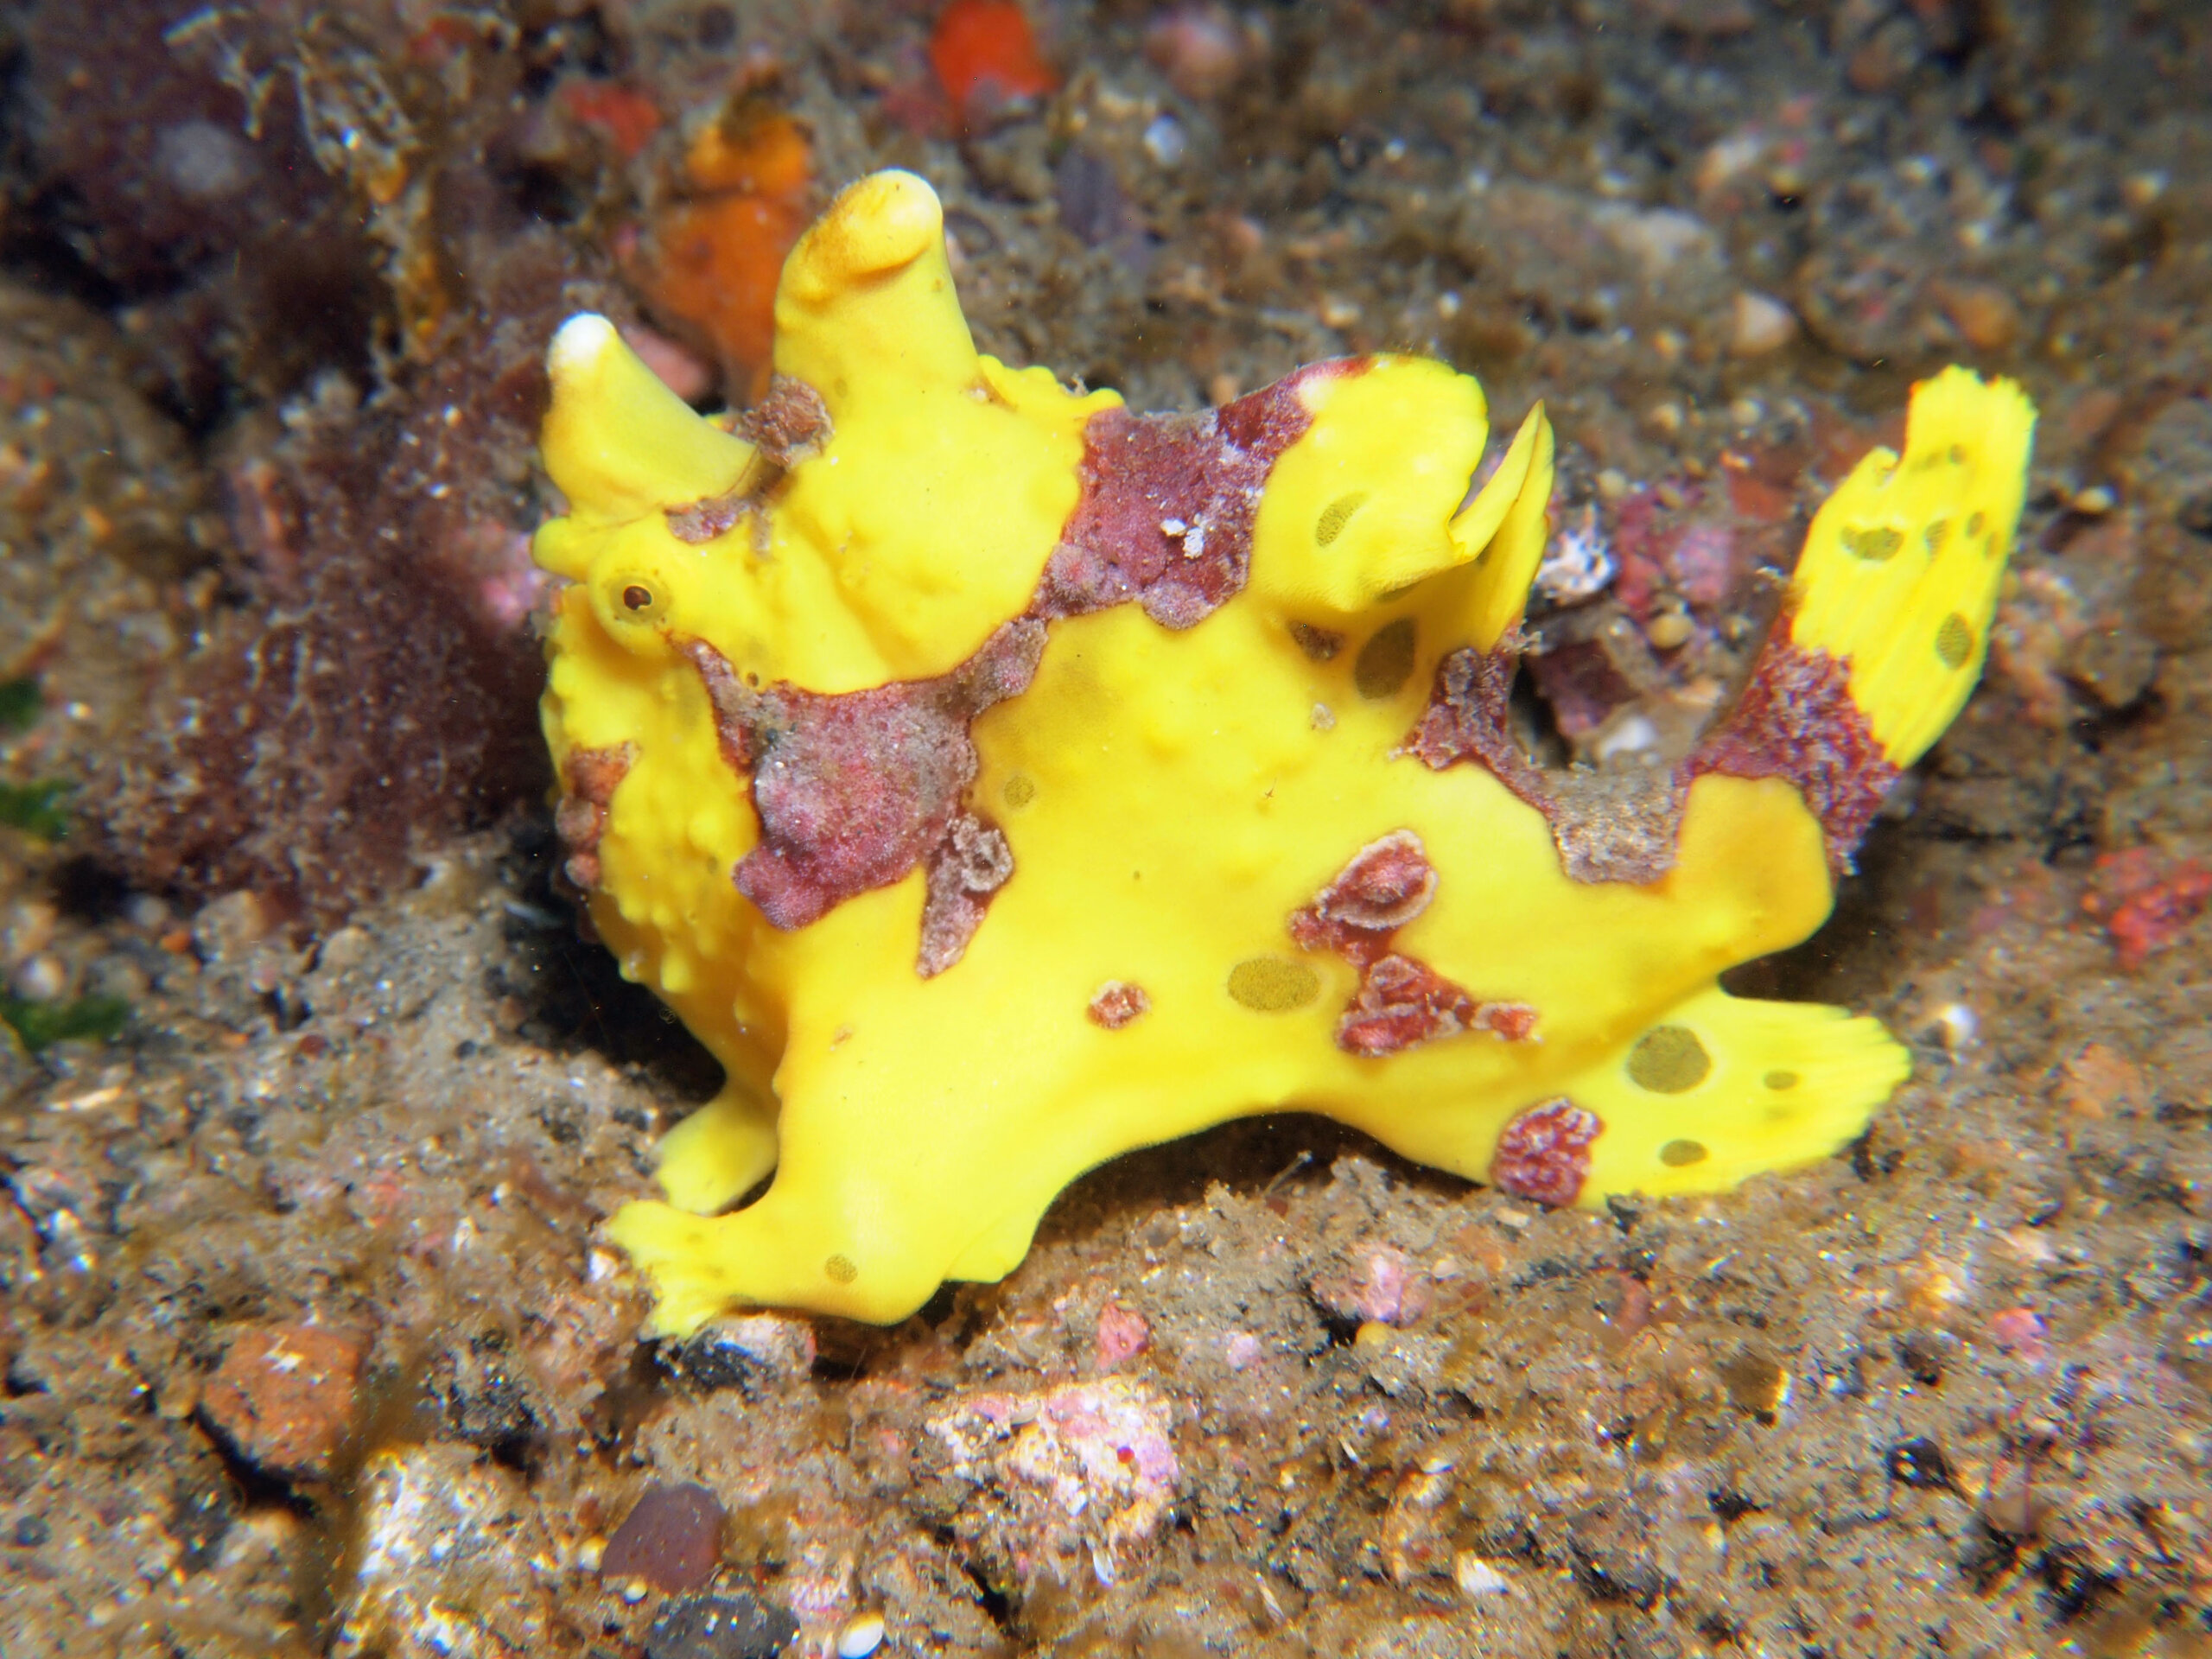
(1386, 661)
(1330, 524)
(1875, 546)
(1680, 1154)
(1019, 790)
(1954, 641)
(1778, 1080)
(1668, 1060)
(841, 1270)
(1273, 984)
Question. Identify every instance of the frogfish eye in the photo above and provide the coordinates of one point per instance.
(636, 598)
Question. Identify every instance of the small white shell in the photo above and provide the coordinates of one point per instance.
(860, 1636)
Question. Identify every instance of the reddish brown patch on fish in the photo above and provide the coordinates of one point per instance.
(1544, 1154)
(787, 424)
(1515, 1021)
(1795, 720)
(697, 523)
(1117, 1003)
(857, 789)
(588, 779)
(1608, 826)
(1388, 883)
(1165, 518)
(1402, 1002)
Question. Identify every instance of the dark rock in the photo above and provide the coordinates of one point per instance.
(202, 1505)
(721, 1627)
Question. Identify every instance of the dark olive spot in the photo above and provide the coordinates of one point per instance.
(1319, 644)
(1958, 455)
(638, 599)
(1954, 641)
(1973, 523)
(1669, 1059)
(1273, 984)
(841, 1270)
(1782, 1079)
(1330, 524)
(1875, 546)
(1937, 534)
(1018, 790)
(1680, 1155)
(1385, 663)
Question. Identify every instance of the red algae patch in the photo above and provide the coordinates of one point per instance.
(986, 57)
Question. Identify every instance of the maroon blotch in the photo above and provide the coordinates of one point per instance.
(1402, 1002)
(1466, 720)
(971, 863)
(1164, 517)
(855, 789)
(787, 424)
(1388, 883)
(1515, 1023)
(1795, 720)
(700, 522)
(1544, 1154)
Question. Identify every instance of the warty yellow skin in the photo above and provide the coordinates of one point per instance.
(1169, 798)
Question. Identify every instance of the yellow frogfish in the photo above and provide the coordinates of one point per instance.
(996, 780)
